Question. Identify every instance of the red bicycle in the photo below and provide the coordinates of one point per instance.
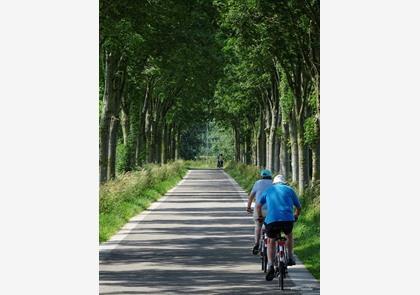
(280, 259)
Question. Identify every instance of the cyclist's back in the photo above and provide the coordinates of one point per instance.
(280, 200)
(220, 161)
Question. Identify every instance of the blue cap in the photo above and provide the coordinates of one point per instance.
(265, 172)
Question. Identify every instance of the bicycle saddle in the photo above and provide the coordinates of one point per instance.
(281, 238)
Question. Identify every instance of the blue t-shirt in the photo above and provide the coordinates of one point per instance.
(280, 199)
(259, 187)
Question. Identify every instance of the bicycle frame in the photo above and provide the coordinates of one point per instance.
(281, 259)
(281, 250)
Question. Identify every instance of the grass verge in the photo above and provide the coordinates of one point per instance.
(201, 163)
(133, 192)
(306, 230)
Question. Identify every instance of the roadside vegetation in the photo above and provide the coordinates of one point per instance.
(306, 230)
(132, 192)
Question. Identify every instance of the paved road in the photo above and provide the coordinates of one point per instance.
(195, 240)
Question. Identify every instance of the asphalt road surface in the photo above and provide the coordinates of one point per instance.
(196, 240)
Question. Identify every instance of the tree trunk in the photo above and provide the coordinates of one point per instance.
(148, 149)
(301, 157)
(315, 163)
(166, 143)
(294, 148)
(154, 150)
(143, 128)
(131, 144)
(112, 147)
(277, 147)
(125, 125)
(284, 158)
(127, 131)
(308, 164)
(159, 143)
(255, 160)
(104, 146)
(262, 144)
(105, 120)
(157, 136)
(177, 144)
(272, 127)
(237, 144)
(268, 143)
(115, 70)
(248, 149)
(173, 142)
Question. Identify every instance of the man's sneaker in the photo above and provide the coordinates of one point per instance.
(291, 261)
(270, 274)
(255, 249)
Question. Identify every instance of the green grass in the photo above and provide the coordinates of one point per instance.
(306, 230)
(133, 192)
(202, 163)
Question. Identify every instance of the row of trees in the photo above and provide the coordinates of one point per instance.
(159, 64)
(269, 93)
(169, 67)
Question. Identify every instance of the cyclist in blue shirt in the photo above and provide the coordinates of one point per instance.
(259, 187)
(280, 200)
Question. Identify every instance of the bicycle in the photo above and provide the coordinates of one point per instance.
(263, 249)
(281, 259)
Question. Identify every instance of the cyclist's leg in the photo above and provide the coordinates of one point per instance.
(271, 251)
(262, 230)
(257, 228)
(258, 225)
(290, 244)
(272, 230)
(287, 228)
(257, 232)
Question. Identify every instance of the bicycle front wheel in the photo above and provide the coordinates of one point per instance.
(265, 259)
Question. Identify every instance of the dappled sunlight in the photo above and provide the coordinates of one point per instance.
(193, 242)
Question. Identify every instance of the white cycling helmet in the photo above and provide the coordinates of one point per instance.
(279, 179)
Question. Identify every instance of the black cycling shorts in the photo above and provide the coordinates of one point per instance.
(273, 229)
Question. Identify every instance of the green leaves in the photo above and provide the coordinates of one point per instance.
(286, 98)
(311, 131)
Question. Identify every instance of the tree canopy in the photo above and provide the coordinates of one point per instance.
(248, 69)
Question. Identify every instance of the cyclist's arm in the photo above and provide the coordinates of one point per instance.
(296, 203)
(261, 203)
(258, 208)
(250, 199)
(297, 212)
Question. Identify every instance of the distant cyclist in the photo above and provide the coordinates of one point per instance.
(259, 187)
(280, 199)
(220, 161)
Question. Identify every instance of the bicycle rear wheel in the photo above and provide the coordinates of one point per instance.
(282, 274)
